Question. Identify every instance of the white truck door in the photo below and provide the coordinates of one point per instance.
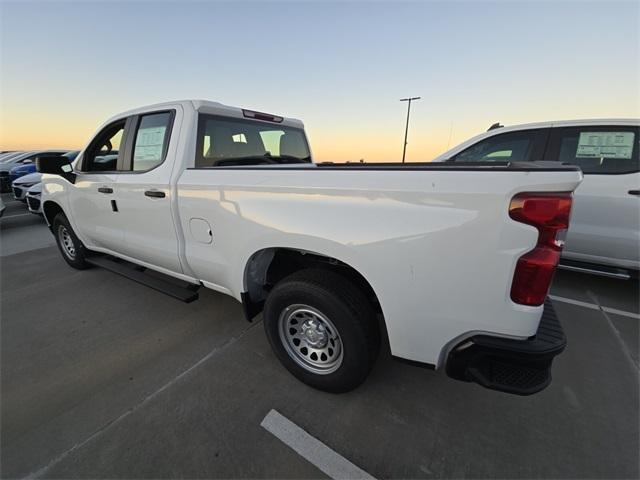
(91, 198)
(144, 191)
(605, 224)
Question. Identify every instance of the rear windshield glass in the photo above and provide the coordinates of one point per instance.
(227, 142)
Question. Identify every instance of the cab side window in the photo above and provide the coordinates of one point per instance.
(102, 154)
(520, 146)
(597, 150)
(151, 141)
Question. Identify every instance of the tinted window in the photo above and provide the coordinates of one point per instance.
(597, 149)
(152, 138)
(505, 147)
(102, 154)
(224, 141)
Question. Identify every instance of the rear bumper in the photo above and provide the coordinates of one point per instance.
(521, 367)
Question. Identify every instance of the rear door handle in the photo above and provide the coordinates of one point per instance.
(105, 190)
(154, 194)
(634, 192)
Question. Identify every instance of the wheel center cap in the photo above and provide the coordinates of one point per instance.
(315, 334)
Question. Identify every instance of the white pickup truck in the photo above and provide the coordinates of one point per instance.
(451, 263)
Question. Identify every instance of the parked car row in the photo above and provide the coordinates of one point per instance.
(18, 174)
(14, 165)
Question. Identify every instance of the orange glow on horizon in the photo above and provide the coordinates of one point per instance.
(34, 132)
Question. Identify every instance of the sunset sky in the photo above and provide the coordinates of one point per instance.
(340, 67)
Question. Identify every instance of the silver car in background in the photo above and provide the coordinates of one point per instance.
(604, 233)
(22, 184)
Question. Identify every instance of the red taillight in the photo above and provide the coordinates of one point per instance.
(549, 213)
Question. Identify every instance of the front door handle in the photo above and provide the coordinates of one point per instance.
(154, 194)
(634, 192)
(105, 190)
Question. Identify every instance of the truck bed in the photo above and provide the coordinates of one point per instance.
(540, 166)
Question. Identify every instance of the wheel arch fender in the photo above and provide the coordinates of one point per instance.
(50, 209)
(266, 266)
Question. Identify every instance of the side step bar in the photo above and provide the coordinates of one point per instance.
(600, 270)
(133, 272)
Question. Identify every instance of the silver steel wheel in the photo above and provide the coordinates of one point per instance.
(310, 339)
(66, 242)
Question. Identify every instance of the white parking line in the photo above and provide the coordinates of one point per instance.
(310, 448)
(42, 472)
(593, 306)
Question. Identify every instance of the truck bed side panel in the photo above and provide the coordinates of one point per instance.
(437, 247)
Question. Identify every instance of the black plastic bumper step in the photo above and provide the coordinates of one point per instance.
(186, 294)
(522, 367)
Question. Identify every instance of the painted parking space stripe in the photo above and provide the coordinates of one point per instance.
(594, 306)
(311, 449)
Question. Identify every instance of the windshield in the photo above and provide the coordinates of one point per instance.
(225, 141)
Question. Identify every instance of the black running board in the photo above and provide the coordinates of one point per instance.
(186, 294)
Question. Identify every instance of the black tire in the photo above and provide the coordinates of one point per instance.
(63, 233)
(348, 310)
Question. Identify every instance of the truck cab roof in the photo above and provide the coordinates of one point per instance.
(214, 108)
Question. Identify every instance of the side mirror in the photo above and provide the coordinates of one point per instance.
(28, 160)
(56, 165)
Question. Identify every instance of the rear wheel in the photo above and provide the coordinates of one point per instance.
(322, 329)
(69, 244)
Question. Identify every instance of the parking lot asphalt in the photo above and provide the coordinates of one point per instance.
(104, 378)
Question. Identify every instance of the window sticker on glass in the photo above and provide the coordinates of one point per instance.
(605, 145)
(149, 143)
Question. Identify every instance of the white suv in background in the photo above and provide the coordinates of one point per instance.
(604, 236)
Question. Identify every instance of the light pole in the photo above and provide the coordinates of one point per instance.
(406, 130)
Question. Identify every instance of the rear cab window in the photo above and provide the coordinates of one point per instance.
(597, 149)
(224, 141)
(519, 146)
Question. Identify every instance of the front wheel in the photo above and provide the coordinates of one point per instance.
(322, 329)
(69, 244)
